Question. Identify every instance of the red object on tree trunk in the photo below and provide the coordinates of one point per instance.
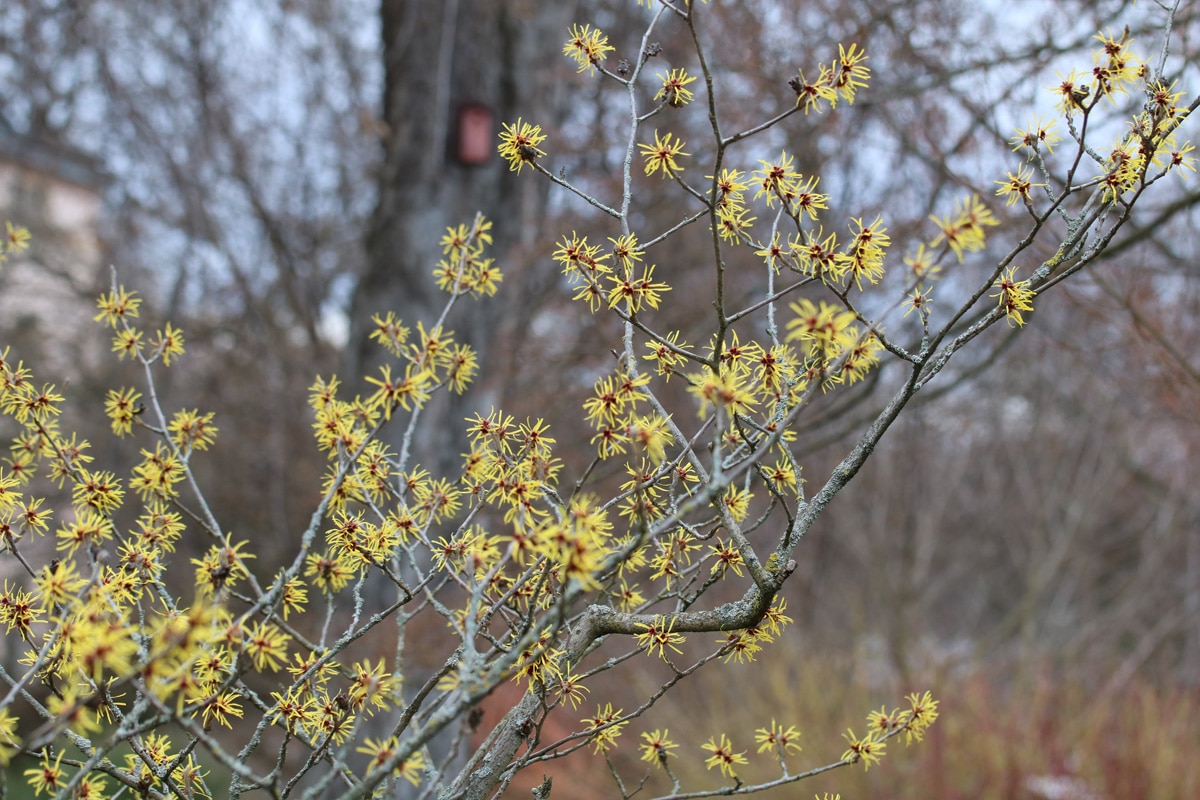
(476, 134)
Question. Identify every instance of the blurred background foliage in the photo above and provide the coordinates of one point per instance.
(1026, 542)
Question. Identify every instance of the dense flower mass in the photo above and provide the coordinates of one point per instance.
(529, 563)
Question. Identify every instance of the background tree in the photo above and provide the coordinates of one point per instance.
(441, 58)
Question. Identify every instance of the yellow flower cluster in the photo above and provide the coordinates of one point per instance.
(842, 78)
(612, 409)
(89, 624)
(100, 624)
(118, 310)
(745, 645)
(780, 741)
(807, 251)
(1014, 297)
(606, 727)
(587, 47)
(882, 725)
(316, 707)
(631, 286)
(723, 756)
(154, 764)
(963, 231)
(1017, 186)
(16, 240)
(1150, 140)
(1117, 67)
(431, 359)
(835, 349)
(778, 181)
(464, 269)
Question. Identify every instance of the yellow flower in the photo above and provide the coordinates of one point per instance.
(723, 755)
(127, 342)
(628, 597)
(814, 94)
(733, 222)
(825, 329)
(28, 405)
(661, 155)
(17, 238)
(864, 255)
(674, 91)
(883, 722)
(1072, 92)
(778, 739)
(382, 750)
(665, 352)
(1013, 296)
(587, 47)
(191, 430)
(777, 179)
(329, 573)
(963, 231)
(121, 407)
(605, 727)
(48, 776)
(60, 584)
(658, 747)
(519, 144)
(850, 74)
(100, 649)
(730, 186)
(636, 291)
(737, 501)
(867, 749)
(625, 249)
(571, 689)
(221, 707)
(922, 712)
(405, 392)
(266, 645)
(740, 646)
(659, 635)
(1017, 187)
(156, 476)
(168, 343)
(221, 567)
(89, 528)
(118, 306)
(651, 435)
(726, 558)
(1039, 134)
(294, 597)
(728, 390)
(388, 332)
(1181, 159)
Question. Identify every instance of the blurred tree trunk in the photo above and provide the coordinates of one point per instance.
(439, 55)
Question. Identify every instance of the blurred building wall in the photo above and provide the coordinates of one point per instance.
(47, 293)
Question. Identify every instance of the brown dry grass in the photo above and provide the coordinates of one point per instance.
(1020, 732)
